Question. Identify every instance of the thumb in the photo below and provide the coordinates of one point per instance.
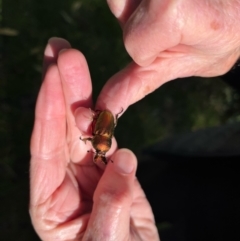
(110, 218)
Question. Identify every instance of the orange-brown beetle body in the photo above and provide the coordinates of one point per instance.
(102, 130)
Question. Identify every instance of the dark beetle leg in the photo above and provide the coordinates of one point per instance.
(85, 139)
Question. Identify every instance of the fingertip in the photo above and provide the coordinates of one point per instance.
(75, 54)
(125, 162)
(75, 77)
(116, 7)
(59, 41)
(114, 196)
(73, 64)
(52, 50)
(115, 94)
(55, 45)
(123, 9)
(83, 118)
(143, 60)
(118, 179)
(141, 53)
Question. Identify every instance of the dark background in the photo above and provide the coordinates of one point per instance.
(177, 107)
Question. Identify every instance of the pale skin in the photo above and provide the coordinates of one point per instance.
(73, 199)
(169, 39)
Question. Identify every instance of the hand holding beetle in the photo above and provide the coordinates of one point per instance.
(71, 198)
(172, 39)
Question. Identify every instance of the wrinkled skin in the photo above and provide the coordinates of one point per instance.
(169, 39)
(72, 198)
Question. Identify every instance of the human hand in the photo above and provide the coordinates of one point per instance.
(71, 198)
(169, 40)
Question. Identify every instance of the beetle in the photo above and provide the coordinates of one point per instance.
(103, 126)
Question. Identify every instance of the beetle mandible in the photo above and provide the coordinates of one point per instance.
(103, 126)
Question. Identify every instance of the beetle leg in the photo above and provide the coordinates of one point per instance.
(116, 117)
(85, 139)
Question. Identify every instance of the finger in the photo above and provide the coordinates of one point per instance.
(76, 79)
(152, 28)
(77, 88)
(51, 51)
(48, 139)
(113, 199)
(84, 118)
(135, 82)
(123, 9)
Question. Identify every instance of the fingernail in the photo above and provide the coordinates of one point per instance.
(124, 161)
(49, 51)
(54, 45)
(56, 39)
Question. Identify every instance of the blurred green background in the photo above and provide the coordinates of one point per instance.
(25, 27)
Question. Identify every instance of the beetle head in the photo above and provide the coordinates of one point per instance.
(100, 157)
